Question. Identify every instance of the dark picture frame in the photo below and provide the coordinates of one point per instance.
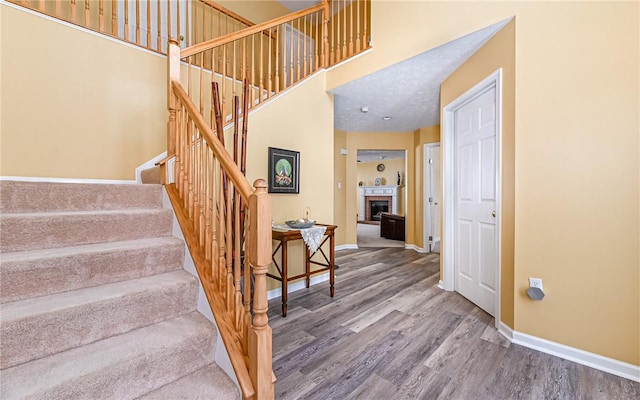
(284, 171)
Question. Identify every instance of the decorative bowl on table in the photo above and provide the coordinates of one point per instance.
(300, 223)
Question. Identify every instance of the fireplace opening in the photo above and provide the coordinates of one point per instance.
(377, 207)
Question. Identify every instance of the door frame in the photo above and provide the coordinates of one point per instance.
(427, 192)
(447, 245)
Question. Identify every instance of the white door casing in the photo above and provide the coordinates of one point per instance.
(472, 187)
(432, 197)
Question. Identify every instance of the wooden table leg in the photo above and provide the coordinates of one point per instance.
(284, 278)
(307, 264)
(332, 268)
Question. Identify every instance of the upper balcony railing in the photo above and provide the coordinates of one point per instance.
(145, 23)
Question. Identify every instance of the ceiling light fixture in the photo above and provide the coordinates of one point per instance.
(364, 109)
(386, 118)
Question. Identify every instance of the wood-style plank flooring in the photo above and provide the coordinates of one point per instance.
(390, 333)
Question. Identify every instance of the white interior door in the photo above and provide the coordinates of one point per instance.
(475, 200)
(433, 197)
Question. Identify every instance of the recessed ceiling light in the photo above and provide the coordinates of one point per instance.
(364, 109)
(386, 118)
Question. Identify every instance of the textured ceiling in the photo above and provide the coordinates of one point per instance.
(408, 92)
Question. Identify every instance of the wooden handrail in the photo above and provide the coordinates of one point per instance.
(240, 182)
(210, 44)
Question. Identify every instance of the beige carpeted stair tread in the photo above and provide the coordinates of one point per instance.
(121, 367)
(207, 383)
(38, 327)
(41, 272)
(18, 196)
(30, 231)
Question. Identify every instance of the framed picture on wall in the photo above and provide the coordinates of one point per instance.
(284, 171)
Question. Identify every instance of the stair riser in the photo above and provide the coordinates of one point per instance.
(121, 367)
(23, 232)
(39, 277)
(16, 197)
(41, 335)
(141, 375)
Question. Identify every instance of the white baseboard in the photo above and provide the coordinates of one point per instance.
(415, 248)
(606, 364)
(441, 284)
(505, 331)
(66, 180)
(346, 247)
(299, 285)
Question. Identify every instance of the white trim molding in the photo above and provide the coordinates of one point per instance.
(415, 248)
(67, 180)
(505, 330)
(606, 364)
(299, 285)
(346, 247)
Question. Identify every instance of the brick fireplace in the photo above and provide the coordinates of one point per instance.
(376, 195)
(379, 204)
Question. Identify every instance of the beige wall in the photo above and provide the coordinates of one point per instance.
(80, 106)
(256, 11)
(310, 131)
(575, 210)
(499, 52)
(339, 179)
(429, 134)
(367, 172)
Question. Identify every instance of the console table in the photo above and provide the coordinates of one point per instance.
(286, 236)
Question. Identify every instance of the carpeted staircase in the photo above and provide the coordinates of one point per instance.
(95, 303)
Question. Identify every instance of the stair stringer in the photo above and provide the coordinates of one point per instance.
(221, 357)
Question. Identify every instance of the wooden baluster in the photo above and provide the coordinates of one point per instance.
(229, 295)
(138, 22)
(358, 36)
(365, 35)
(300, 51)
(148, 5)
(169, 30)
(277, 68)
(178, 23)
(214, 218)
(344, 30)
(325, 37)
(114, 17)
(73, 11)
(126, 20)
(289, 79)
(159, 27)
(351, 27)
(58, 8)
(207, 205)
(262, 70)
(318, 39)
(173, 68)
(334, 33)
(237, 264)
(87, 14)
(101, 15)
(246, 290)
(260, 337)
(222, 274)
(269, 70)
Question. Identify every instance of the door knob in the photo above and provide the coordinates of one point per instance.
(493, 214)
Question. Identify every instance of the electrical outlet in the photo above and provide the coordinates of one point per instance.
(535, 283)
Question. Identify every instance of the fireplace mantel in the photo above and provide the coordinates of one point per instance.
(378, 191)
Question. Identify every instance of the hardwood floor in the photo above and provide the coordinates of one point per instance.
(390, 333)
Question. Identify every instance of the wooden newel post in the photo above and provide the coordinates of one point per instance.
(260, 353)
(325, 34)
(173, 74)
